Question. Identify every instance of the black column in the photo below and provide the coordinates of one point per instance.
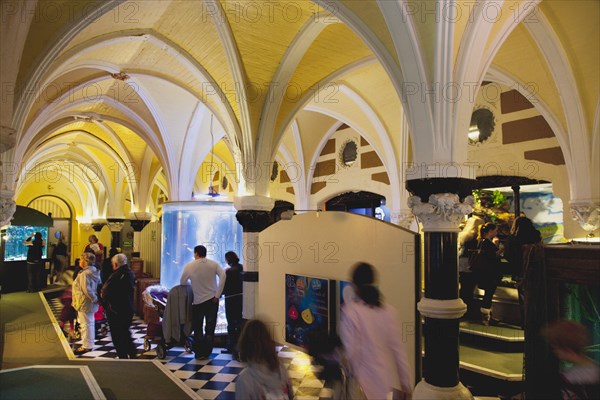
(441, 361)
(438, 205)
(517, 200)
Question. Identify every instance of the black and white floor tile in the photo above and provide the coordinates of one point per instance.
(213, 378)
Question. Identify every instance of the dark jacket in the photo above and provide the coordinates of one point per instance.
(34, 250)
(233, 282)
(490, 270)
(515, 247)
(117, 292)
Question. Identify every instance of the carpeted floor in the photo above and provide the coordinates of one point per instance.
(49, 383)
(28, 337)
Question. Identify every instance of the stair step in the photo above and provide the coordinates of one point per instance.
(501, 332)
(494, 364)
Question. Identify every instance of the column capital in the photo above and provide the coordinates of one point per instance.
(98, 223)
(139, 220)
(8, 206)
(257, 203)
(443, 212)
(254, 220)
(425, 187)
(587, 213)
(116, 223)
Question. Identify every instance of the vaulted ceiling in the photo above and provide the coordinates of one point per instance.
(149, 88)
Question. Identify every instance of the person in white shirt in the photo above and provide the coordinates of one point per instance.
(370, 333)
(202, 274)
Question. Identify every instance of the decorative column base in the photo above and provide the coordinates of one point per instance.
(425, 391)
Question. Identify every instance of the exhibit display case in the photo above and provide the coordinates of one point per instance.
(13, 252)
(188, 224)
(15, 249)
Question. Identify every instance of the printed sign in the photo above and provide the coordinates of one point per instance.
(307, 307)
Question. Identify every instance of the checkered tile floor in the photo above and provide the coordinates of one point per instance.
(215, 377)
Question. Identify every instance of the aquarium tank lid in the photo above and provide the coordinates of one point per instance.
(28, 216)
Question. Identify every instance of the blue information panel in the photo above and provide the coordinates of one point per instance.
(308, 308)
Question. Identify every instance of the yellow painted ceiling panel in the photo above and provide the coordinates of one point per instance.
(126, 16)
(134, 144)
(577, 23)
(370, 14)
(376, 89)
(143, 57)
(313, 126)
(62, 86)
(49, 18)
(191, 25)
(337, 46)
(522, 58)
(423, 14)
(263, 33)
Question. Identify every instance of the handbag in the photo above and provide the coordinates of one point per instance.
(351, 389)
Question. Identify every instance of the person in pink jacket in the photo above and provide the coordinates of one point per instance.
(371, 336)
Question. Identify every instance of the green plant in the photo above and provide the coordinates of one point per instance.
(498, 199)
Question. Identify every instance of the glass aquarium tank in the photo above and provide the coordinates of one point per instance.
(15, 249)
(188, 224)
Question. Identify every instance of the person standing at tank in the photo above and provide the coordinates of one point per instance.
(35, 247)
(233, 300)
(202, 273)
(117, 298)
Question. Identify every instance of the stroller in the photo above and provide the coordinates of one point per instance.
(169, 318)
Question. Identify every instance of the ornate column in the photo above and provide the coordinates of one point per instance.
(8, 206)
(115, 225)
(254, 214)
(441, 305)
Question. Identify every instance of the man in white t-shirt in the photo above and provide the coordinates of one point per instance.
(202, 274)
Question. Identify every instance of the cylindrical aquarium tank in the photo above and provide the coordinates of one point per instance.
(188, 224)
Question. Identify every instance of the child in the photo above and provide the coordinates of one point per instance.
(264, 377)
(568, 340)
(68, 313)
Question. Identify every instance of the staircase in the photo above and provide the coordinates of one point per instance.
(491, 357)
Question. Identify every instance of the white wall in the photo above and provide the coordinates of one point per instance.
(327, 246)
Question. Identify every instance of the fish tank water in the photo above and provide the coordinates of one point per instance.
(15, 249)
(187, 224)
